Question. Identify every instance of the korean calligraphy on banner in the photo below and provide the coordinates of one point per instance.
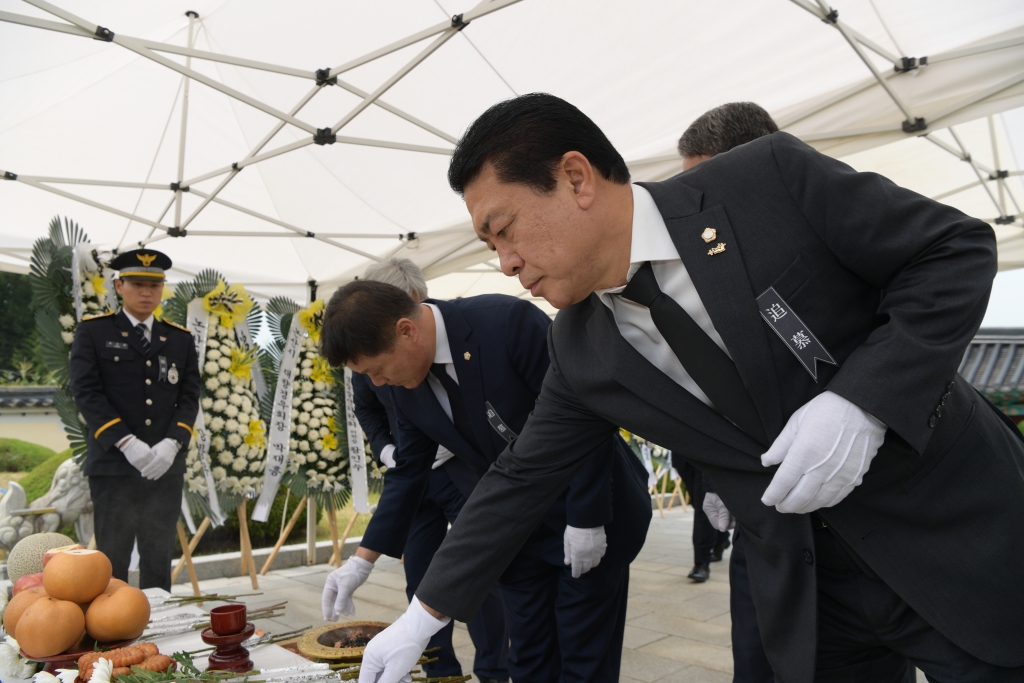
(356, 450)
(198, 323)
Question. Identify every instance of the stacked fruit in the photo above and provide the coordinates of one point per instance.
(74, 595)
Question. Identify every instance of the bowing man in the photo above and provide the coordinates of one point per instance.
(465, 374)
(793, 328)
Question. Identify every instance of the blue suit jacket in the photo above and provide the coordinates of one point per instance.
(499, 347)
(375, 414)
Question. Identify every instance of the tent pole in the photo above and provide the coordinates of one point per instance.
(978, 97)
(192, 16)
(967, 157)
(995, 161)
(89, 202)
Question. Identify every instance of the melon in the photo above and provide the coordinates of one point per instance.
(26, 582)
(120, 615)
(27, 555)
(17, 606)
(48, 555)
(77, 575)
(49, 627)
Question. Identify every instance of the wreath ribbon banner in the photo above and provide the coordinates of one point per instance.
(280, 426)
(356, 452)
(244, 338)
(198, 321)
(76, 281)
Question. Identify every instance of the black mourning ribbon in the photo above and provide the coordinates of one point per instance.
(141, 329)
(705, 363)
(460, 416)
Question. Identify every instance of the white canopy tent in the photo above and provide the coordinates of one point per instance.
(112, 132)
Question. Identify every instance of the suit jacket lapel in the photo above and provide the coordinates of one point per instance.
(723, 285)
(132, 337)
(632, 370)
(159, 337)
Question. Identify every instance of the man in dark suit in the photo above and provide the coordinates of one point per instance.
(793, 328)
(466, 374)
(136, 381)
(439, 506)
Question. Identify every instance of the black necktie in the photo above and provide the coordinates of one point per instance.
(460, 416)
(141, 329)
(705, 363)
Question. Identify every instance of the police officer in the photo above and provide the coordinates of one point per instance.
(136, 381)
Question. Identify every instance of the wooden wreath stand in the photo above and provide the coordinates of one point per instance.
(248, 564)
(337, 542)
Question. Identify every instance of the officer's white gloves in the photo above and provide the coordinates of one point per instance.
(387, 455)
(443, 456)
(393, 652)
(164, 453)
(137, 451)
(584, 548)
(824, 450)
(340, 585)
(717, 513)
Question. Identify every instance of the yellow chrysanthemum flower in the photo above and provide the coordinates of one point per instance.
(256, 438)
(312, 319)
(241, 362)
(99, 283)
(232, 303)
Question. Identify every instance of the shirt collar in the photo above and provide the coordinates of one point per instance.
(148, 322)
(650, 239)
(442, 350)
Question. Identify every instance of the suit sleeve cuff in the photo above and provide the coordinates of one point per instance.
(110, 432)
(181, 433)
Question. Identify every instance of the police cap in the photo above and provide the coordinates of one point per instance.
(142, 264)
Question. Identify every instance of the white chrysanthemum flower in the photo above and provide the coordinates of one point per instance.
(212, 343)
(306, 372)
(212, 384)
(333, 470)
(244, 451)
(301, 430)
(322, 464)
(246, 404)
(217, 441)
(207, 403)
(231, 426)
(224, 362)
(314, 423)
(307, 387)
(296, 402)
(223, 332)
(219, 473)
(217, 424)
(324, 431)
(243, 429)
(299, 458)
(303, 418)
(67, 321)
(256, 466)
(236, 399)
(225, 458)
(319, 386)
(88, 289)
(211, 367)
(321, 476)
(239, 464)
(295, 414)
(219, 405)
(308, 406)
(293, 444)
(68, 337)
(224, 376)
(318, 412)
(234, 440)
(311, 474)
(304, 446)
(318, 445)
(231, 411)
(213, 354)
(307, 363)
(244, 419)
(223, 392)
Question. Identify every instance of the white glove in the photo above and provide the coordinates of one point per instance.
(137, 451)
(443, 456)
(163, 457)
(584, 548)
(340, 585)
(392, 653)
(387, 455)
(824, 450)
(717, 513)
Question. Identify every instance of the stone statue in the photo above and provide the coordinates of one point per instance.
(68, 497)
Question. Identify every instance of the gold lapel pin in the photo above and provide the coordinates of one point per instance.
(717, 249)
(124, 334)
(163, 338)
(467, 355)
(709, 234)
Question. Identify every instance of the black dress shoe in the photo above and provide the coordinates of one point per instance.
(700, 573)
(720, 547)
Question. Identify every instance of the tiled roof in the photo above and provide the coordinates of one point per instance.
(994, 361)
(27, 397)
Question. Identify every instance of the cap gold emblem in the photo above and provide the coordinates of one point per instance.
(717, 249)
(467, 355)
(146, 259)
(709, 234)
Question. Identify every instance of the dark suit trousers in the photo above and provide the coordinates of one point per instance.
(442, 502)
(749, 663)
(705, 536)
(563, 630)
(129, 508)
(868, 633)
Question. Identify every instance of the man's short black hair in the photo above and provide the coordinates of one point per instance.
(360, 321)
(526, 137)
(722, 128)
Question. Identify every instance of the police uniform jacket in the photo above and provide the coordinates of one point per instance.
(122, 389)
(894, 285)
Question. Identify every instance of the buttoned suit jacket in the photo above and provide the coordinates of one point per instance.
(499, 349)
(374, 412)
(120, 389)
(894, 285)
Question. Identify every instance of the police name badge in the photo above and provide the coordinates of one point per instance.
(793, 332)
(172, 374)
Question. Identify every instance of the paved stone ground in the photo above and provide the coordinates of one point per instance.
(676, 631)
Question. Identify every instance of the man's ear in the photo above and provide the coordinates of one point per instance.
(407, 329)
(118, 284)
(576, 172)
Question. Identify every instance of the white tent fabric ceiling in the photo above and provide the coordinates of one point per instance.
(74, 108)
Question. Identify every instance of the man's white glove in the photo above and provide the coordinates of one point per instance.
(340, 585)
(443, 456)
(824, 450)
(137, 451)
(387, 455)
(163, 457)
(717, 513)
(391, 654)
(584, 548)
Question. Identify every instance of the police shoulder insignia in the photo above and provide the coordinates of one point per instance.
(183, 329)
(98, 315)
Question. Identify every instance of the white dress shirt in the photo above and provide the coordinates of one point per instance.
(148, 322)
(652, 242)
